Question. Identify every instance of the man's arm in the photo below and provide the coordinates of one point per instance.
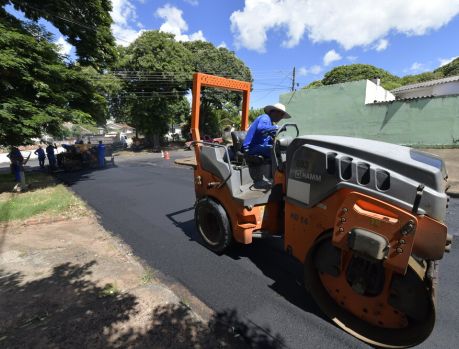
(265, 126)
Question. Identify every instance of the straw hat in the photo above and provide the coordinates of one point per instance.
(277, 106)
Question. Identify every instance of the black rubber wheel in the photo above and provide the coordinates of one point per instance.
(213, 225)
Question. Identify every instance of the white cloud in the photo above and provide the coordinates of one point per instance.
(175, 24)
(123, 14)
(192, 2)
(313, 70)
(222, 45)
(381, 45)
(64, 46)
(417, 67)
(444, 61)
(331, 56)
(352, 58)
(351, 23)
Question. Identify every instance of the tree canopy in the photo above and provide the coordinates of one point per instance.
(38, 92)
(450, 69)
(85, 24)
(354, 72)
(156, 71)
(218, 61)
(219, 108)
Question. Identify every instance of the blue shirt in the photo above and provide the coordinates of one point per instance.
(257, 135)
(40, 152)
(50, 151)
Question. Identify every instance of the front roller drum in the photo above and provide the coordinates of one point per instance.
(389, 310)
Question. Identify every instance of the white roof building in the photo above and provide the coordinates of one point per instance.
(433, 88)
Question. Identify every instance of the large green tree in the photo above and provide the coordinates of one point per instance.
(86, 25)
(218, 106)
(354, 72)
(38, 92)
(156, 71)
(450, 69)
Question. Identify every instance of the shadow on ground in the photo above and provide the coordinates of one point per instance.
(69, 178)
(269, 257)
(65, 310)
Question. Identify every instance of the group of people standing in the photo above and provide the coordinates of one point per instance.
(18, 161)
(49, 153)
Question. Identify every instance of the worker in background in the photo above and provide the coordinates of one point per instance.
(51, 157)
(101, 154)
(16, 160)
(259, 136)
(41, 156)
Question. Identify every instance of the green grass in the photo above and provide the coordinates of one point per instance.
(56, 200)
(34, 179)
(147, 277)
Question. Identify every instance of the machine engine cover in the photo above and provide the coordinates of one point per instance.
(317, 166)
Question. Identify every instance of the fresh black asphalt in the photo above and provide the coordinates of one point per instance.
(149, 204)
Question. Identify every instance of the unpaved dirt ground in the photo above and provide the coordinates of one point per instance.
(70, 284)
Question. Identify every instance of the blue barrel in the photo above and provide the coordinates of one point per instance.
(101, 155)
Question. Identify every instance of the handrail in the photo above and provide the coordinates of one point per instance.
(283, 128)
(227, 156)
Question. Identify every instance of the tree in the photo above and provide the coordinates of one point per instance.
(86, 24)
(314, 84)
(413, 79)
(38, 92)
(157, 72)
(217, 61)
(355, 72)
(450, 69)
(254, 113)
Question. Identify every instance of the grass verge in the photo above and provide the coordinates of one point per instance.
(53, 200)
(33, 179)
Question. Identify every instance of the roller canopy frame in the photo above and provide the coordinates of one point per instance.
(205, 80)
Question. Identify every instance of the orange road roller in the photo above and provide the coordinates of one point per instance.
(365, 217)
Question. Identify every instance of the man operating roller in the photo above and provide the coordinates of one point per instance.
(259, 136)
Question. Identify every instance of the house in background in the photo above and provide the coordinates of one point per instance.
(433, 88)
(425, 114)
(113, 127)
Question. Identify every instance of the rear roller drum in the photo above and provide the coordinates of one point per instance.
(213, 225)
(368, 301)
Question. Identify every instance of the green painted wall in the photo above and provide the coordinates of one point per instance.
(340, 110)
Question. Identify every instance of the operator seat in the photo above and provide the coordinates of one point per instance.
(238, 138)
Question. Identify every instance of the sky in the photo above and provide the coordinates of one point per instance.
(274, 36)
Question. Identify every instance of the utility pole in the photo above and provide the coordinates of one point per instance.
(293, 79)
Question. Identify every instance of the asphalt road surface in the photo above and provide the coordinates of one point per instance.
(149, 204)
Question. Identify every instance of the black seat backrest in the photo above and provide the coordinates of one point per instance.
(238, 139)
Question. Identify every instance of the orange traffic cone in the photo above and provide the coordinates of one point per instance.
(166, 155)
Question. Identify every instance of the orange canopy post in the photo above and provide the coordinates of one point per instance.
(204, 80)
